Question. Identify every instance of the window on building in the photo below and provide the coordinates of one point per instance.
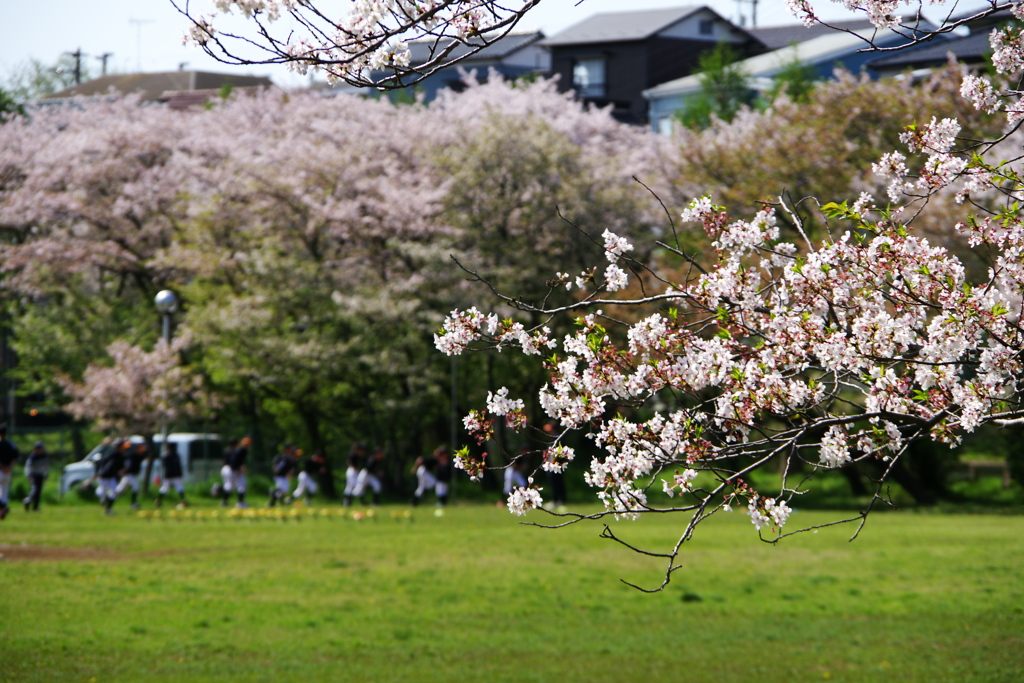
(707, 27)
(588, 77)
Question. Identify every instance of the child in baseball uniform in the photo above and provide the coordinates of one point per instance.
(37, 469)
(371, 476)
(355, 463)
(173, 473)
(132, 473)
(8, 456)
(425, 469)
(311, 469)
(282, 467)
(108, 470)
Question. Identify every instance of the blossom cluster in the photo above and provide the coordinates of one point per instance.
(523, 499)
(511, 409)
(876, 317)
(558, 458)
(768, 512)
(472, 466)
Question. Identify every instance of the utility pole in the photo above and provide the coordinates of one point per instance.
(138, 30)
(77, 54)
(103, 59)
(753, 12)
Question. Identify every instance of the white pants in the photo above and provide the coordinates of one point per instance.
(281, 484)
(168, 483)
(513, 478)
(441, 489)
(351, 481)
(366, 478)
(5, 486)
(128, 480)
(107, 488)
(425, 479)
(233, 481)
(306, 485)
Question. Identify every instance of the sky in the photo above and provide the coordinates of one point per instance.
(145, 35)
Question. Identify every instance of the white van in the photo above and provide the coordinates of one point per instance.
(200, 459)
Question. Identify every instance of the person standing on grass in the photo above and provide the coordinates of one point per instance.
(107, 471)
(444, 476)
(426, 478)
(8, 456)
(355, 464)
(282, 467)
(224, 489)
(236, 468)
(311, 469)
(371, 475)
(132, 472)
(173, 474)
(37, 469)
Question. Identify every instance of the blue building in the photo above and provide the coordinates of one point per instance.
(823, 49)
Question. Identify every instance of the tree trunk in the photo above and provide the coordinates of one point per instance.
(905, 478)
(150, 457)
(311, 419)
(853, 478)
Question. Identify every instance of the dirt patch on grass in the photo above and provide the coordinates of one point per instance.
(44, 553)
(48, 553)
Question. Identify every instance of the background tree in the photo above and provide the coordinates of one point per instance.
(9, 107)
(823, 148)
(311, 292)
(87, 201)
(796, 80)
(723, 88)
(33, 79)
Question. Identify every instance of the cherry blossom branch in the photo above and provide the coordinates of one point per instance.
(368, 46)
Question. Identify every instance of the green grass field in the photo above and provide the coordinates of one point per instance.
(474, 596)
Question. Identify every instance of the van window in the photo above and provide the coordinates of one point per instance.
(204, 449)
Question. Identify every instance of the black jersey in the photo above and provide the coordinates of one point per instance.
(283, 465)
(312, 465)
(8, 453)
(375, 467)
(110, 467)
(444, 471)
(133, 464)
(172, 465)
(38, 462)
(237, 458)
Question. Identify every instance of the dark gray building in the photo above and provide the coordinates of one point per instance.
(611, 58)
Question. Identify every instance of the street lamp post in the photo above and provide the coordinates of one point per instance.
(166, 303)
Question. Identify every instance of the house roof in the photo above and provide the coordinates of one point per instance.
(154, 85)
(419, 50)
(970, 48)
(775, 37)
(617, 27)
(823, 49)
